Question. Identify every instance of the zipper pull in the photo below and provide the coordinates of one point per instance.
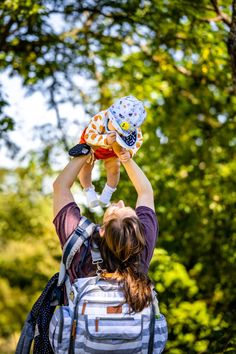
(73, 331)
(96, 324)
(84, 307)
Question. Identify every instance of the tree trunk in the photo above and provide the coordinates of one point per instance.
(232, 44)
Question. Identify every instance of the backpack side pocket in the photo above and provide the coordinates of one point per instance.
(161, 334)
(59, 329)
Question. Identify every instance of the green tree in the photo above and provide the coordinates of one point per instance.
(29, 248)
(178, 57)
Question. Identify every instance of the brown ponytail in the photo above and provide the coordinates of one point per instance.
(121, 248)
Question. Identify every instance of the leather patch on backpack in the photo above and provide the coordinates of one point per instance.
(114, 309)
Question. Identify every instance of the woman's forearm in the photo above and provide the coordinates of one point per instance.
(61, 187)
(68, 176)
(141, 184)
(138, 178)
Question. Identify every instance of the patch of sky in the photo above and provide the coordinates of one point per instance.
(115, 62)
(214, 26)
(28, 110)
(158, 98)
(90, 2)
(5, 19)
(139, 40)
(126, 27)
(199, 141)
(8, 58)
(48, 56)
(222, 118)
(145, 3)
(98, 61)
(83, 83)
(195, 57)
(163, 46)
(160, 101)
(107, 10)
(184, 20)
(163, 138)
(145, 31)
(113, 31)
(44, 49)
(146, 103)
(94, 46)
(31, 37)
(57, 22)
(31, 74)
(177, 54)
(115, 87)
(129, 49)
(12, 39)
(69, 40)
(212, 87)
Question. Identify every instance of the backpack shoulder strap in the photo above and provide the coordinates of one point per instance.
(82, 232)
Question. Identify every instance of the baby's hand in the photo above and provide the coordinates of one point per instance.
(111, 138)
(90, 159)
(124, 155)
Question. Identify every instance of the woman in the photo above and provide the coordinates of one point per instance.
(126, 239)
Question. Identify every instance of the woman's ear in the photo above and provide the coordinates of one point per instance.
(101, 232)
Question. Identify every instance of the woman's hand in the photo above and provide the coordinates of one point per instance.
(90, 159)
(111, 138)
(124, 155)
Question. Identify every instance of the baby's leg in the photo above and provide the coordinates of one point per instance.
(112, 166)
(85, 177)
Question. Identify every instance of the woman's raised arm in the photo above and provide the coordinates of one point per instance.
(62, 186)
(139, 180)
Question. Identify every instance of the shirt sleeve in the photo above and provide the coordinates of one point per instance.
(66, 221)
(138, 143)
(150, 225)
(95, 134)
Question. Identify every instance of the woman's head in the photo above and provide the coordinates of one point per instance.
(122, 234)
(117, 210)
(121, 244)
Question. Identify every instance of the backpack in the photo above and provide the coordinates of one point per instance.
(97, 319)
(36, 327)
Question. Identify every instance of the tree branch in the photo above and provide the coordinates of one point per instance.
(223, 16)
(232, 44)
(213, 19)
(59, 120)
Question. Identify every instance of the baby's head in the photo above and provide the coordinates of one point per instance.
(126, 115)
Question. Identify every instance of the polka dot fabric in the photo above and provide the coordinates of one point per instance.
(36, 327)
(127, 114)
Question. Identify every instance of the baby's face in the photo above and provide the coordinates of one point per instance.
(110, 126)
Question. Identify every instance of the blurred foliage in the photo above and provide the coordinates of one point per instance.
(29, 248)
(174, 56)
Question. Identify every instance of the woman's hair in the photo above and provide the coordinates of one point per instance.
(121, 248)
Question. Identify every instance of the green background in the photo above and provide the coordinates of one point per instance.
(175, 56)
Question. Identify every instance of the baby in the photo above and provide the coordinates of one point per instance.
(119, 123)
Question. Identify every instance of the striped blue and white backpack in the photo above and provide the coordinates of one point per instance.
(97, 319)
